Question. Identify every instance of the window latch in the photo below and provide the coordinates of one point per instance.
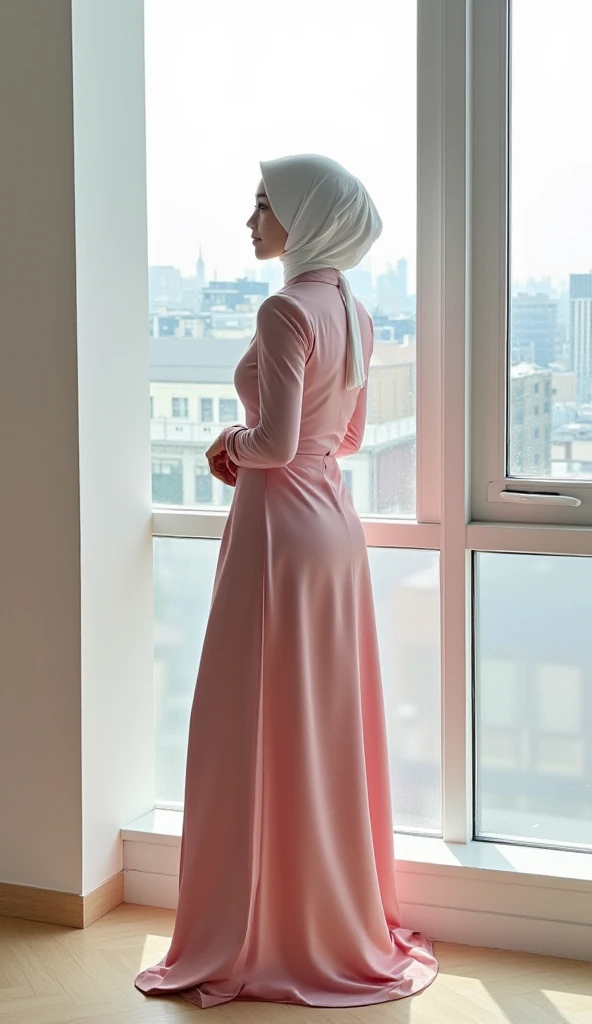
(539, 498)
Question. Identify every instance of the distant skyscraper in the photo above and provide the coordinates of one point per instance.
(240, 294)
(190, 294)
(539, 286)
(534, 329)
(402, 286)
(361, 284)
(580, 293)
(530, 420)
(164, 287)
(271, 272)
(392, 297)
(200, 271)
(387, 291)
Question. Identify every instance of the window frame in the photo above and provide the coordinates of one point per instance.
(462, 108)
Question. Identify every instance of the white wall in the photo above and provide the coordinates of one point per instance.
(76, 758)
(40, 731)
(114, 424)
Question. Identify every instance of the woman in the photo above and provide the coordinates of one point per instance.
(287, 874)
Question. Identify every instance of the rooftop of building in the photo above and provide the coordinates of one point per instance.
(196, 360)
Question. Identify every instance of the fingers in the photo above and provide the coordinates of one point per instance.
(223, 470)
(223, 464)
(217, 470)
(216, 448)
(230, 471)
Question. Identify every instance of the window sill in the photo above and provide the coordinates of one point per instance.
(162, 827)
(421, 854)
(481, 893)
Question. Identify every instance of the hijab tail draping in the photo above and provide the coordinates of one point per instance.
(356, 377)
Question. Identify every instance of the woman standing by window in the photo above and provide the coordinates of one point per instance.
(287, 875)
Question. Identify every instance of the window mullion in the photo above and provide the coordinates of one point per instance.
(429, 260)
(452, 66)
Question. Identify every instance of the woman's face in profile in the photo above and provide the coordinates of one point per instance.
(269, 237)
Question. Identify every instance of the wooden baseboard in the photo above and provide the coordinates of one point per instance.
(63, 908)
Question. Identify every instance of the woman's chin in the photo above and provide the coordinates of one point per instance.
(261, 253)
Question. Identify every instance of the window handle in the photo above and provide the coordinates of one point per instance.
(544, 498)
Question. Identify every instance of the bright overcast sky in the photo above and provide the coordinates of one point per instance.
(231, 83)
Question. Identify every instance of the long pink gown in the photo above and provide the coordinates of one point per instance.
(287, 873)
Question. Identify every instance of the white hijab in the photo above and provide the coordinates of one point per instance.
(331, 222)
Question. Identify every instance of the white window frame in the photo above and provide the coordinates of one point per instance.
(461, 312)
(527, 898)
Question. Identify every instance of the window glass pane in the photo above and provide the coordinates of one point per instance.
(204, 487)
(228, 410)
(205, 284)
(167, 481)
(183, 579)
(534, 699)
(407, 603)
(207, 410)
(181, 407)
(550, 382)
(406, 599)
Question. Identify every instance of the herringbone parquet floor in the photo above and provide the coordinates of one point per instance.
(53, 975)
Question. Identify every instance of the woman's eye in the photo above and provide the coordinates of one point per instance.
(261, 206)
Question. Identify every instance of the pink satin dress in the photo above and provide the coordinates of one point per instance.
(287, 872)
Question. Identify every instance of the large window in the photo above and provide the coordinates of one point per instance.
(474, 481)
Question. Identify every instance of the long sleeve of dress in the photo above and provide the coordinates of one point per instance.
(284, 341)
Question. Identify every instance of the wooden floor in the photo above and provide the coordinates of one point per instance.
(53, 975)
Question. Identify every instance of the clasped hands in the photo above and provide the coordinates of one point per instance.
(220, 463)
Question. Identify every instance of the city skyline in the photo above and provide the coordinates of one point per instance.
(267, 270)
(214, 110)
